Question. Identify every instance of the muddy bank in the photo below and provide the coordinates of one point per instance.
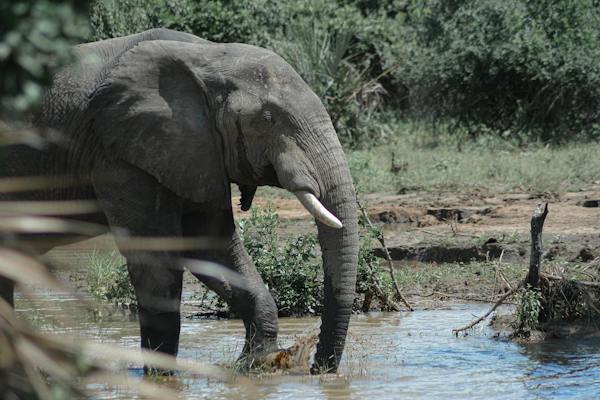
(456, 227)
(556, 330)
(452, 227)
(426, 231)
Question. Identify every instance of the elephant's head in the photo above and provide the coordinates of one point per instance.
(199, 116)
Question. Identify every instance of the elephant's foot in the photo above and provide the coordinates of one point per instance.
(159, 333)
(324, 365)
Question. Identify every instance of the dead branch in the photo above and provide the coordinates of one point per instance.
(383, 298)
(499, 275)
(537, 225)
(560, 278)
(444, 234)
(487, 314)
(533, 277)
(387, 255)
(458, 297)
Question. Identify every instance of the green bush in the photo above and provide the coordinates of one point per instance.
(292, 269)
(515, 65)
(108, 279)
(241, 21)
(371, 275)
(522, 69)
(35, 41)
(527, 317)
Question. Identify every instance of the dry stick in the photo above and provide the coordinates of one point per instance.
(387, 255)
(478, 320)
(537, 225)
(559, 278)
(533, 277)
(444, 234)
(380, 293)
(366, 84)
(454, 296)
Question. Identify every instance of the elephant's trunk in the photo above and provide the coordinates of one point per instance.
(340, 257)
(332, 201)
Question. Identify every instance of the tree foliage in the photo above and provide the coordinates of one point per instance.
(520, 65)
(35, 39)
(520, 68)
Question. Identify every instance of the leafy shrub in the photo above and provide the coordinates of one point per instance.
(517, 65)
(371, 275)
(108, 279)
(324, 61)
(220, 21)
(35, 39)
(527, 317)
(292, 269)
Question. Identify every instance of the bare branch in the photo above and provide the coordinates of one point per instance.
(387, 255)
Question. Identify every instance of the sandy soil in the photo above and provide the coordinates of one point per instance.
(421, 219)
(453, 220)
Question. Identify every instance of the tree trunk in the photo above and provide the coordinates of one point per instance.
(537, 225)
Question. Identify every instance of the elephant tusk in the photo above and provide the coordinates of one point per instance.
(317, 210)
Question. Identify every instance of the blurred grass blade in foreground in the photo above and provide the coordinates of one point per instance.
(26, 270)
(75, 207)
(30, 183)
(48, 225)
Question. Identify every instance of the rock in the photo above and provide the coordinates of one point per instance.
(426, 220)
(394, 217)
(491, 240)
(585, 254)
(397, 253)
(589, 203)
(554, 251)
(474, 219)
(457, 214)
(448, 254)
(494, 250)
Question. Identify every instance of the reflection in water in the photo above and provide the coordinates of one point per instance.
(389, 355)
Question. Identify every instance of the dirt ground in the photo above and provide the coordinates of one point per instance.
(448, 227)
(423, 229)
(475, 214)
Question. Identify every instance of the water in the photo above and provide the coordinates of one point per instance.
(389, 356)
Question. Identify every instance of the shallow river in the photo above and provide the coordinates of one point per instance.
(389, 356)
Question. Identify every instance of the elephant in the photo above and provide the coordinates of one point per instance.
(157, 126)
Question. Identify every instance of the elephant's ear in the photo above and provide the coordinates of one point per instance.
(151, 111)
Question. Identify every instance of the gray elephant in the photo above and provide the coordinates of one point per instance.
(159, 124)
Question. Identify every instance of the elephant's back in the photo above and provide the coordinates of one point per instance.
(68, 97)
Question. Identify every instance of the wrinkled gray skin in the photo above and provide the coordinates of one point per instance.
(161, 123)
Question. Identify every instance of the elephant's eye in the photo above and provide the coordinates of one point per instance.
(267, 116)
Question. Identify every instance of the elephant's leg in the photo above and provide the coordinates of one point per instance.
(7, 288)
(255, 305)
(136, 205)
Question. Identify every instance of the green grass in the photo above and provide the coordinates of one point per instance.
(292, 268)
(445, 162)
(454, 162)
(476, 277)
(108, 279)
